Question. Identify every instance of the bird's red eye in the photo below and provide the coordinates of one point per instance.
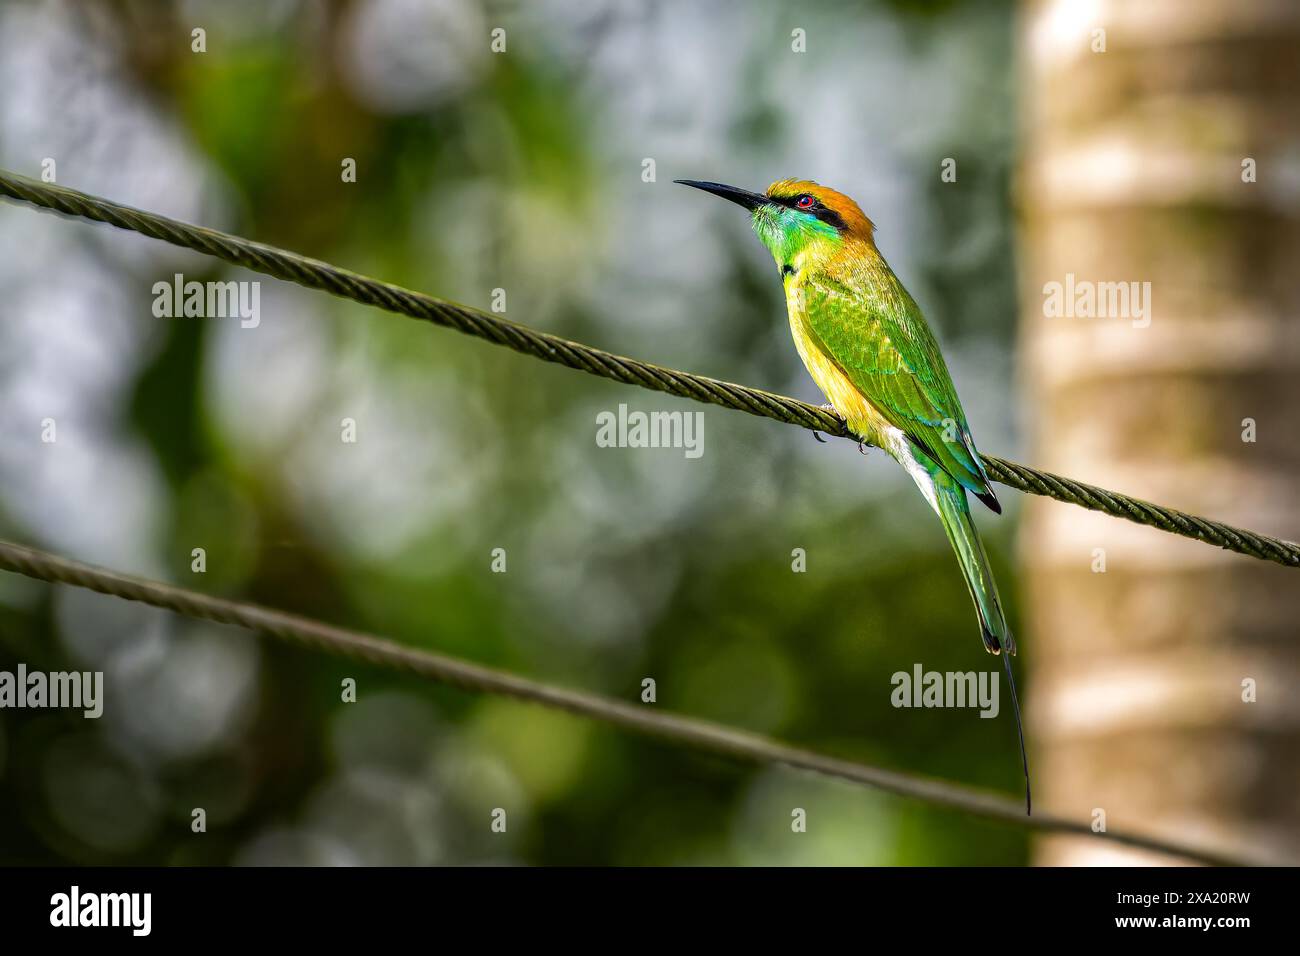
(805, 202)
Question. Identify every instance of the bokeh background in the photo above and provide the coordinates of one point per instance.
(523, 171)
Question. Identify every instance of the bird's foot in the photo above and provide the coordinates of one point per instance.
(827, 407)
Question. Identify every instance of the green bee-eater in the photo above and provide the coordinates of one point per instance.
(868, 347)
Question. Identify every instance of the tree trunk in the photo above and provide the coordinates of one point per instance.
(1137, 169)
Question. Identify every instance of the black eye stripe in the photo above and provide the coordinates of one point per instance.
(829, 216)
(826, 215)
(793, 203)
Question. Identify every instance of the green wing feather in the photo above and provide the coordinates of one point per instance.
(874, 331)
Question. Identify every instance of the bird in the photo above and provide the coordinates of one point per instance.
(867, 345)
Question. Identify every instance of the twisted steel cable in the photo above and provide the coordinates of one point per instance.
(314, 274)
(700, 735)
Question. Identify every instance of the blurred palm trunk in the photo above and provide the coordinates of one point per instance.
(1133, 171)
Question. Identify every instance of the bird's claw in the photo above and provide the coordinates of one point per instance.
(828, 407)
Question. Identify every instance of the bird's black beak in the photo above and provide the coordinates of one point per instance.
(741, 197)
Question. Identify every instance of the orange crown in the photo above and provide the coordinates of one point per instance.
(855, 220)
